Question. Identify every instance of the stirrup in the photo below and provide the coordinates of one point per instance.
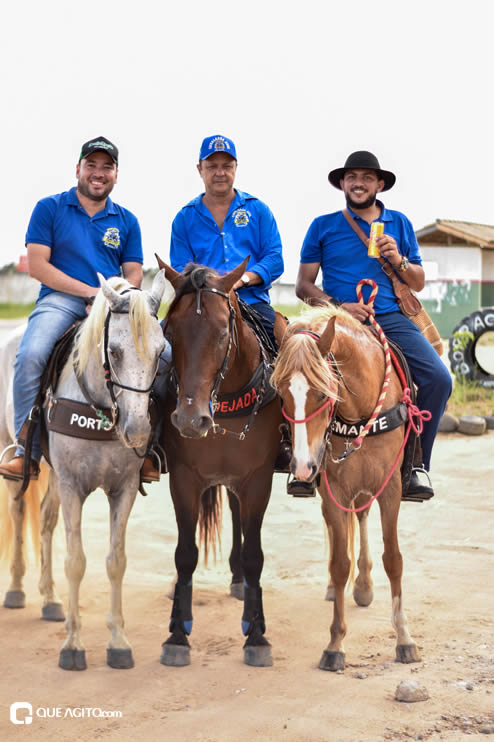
(417, 492)
(297, 488)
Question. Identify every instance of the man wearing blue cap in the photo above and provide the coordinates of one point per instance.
(219, 229)
(223, 225)
(70, 238)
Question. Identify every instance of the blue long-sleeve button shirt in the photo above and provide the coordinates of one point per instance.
(249, 229)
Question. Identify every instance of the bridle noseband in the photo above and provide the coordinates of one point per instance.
(232, 337)
(110, 381)
(232, 340)
(330, 402)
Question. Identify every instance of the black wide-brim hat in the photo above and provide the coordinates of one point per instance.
(359, 160)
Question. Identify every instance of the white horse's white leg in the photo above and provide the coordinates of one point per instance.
(15, 596)
(119, 653)
(72, 655)
(52, 605)
(362, 590)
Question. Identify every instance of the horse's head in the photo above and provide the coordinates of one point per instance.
(308, 386)
(123, 338)
(200, 326)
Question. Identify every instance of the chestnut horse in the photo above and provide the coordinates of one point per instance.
(331, 365)
(215, 352)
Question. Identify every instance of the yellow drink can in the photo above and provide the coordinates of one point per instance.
(376, 230)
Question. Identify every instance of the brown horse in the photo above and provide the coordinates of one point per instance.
(216, 356)
(330, 370)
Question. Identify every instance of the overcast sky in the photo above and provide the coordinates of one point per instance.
(296, 85)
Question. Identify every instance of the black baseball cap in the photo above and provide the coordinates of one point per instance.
(99, 144)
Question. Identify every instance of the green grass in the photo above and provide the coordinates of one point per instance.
(468, 398)
(15, 311)
(290, 310)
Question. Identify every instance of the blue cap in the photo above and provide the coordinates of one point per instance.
(214, 144)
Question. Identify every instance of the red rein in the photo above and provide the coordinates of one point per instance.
(413, 410)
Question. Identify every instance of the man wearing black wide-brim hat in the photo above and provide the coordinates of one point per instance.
(333, 245)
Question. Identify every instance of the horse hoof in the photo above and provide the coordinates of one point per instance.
(329, 593)
(258, 656)
(363, 598)
(52, 612)
(175, 655)
(14, 599)
(72, 659)
(237, 590)
(119, 659)
(332, 661)
(407, 653)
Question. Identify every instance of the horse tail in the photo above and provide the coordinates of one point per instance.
(351, 520)
(210, 521)
(31, 522)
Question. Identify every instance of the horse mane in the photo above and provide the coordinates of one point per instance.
(89, 337)
(299, 351)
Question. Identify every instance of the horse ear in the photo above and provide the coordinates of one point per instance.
(327, 337)
(113, 298)
(176, 279)
(227, 282)
(280, 326)
(161, 290)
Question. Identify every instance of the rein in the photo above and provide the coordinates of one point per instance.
(110, 380)
(413, 410)
(233, 340)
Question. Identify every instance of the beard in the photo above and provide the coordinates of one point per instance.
(84, 188)
(370, 201)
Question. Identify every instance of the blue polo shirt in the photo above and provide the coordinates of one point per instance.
(249, 229)
(331, 242)
(82, 245)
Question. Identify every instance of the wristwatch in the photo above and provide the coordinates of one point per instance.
(404, 264)
(245, 278)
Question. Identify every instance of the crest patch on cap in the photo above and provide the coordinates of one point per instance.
(219, 144)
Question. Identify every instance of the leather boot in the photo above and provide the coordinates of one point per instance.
(14, 469)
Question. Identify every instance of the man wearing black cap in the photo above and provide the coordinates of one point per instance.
(334, 247)
(70, 238)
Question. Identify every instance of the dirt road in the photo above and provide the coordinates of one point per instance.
(448, 552)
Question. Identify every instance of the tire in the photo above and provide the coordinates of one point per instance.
(464, 361)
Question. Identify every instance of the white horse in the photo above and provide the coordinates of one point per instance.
(122, 331)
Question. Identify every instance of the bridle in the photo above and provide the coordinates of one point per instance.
(330, 402)
(232, 341)
(110, 374)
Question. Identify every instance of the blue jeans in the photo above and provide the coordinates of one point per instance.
(428, 372)
(50, 318)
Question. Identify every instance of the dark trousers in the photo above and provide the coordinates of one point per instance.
(429, 373)
(267, 313)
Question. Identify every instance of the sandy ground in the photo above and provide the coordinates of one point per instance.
(448, 552)
(448, 555)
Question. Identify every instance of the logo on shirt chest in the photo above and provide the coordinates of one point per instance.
(241, 217)
(111, 238)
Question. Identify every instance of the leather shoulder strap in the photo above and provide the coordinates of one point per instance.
(385, 265)
(409, 303)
